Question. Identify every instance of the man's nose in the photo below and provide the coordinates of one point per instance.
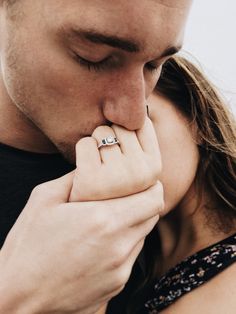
(125, 101)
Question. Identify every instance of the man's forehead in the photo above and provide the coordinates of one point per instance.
(142, 25)
(174, 3)
(127, 44)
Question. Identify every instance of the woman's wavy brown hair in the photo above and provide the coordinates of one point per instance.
(187, 87)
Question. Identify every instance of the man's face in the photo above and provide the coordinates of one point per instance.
(71, 66)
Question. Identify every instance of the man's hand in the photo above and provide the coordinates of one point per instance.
(73, 257)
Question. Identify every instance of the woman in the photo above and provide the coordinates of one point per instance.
(194, 243)
(187, 107)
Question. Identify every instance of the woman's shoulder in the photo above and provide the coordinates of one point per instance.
(215, 296)
(203, 282)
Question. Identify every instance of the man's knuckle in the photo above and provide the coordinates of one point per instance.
(117, 291)
(119, 253)
(122, 276)
(40, 190)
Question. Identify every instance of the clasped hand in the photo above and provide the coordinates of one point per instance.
(73, 246)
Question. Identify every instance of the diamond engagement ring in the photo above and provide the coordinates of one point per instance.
(108, 141)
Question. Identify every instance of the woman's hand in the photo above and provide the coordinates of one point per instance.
(118, 170)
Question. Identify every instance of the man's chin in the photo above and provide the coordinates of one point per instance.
(68, 152)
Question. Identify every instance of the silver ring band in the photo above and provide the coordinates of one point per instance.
(108, 141)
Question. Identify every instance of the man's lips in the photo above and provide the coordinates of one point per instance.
(107, 123)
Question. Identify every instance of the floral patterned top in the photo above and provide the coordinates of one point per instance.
(191, 273)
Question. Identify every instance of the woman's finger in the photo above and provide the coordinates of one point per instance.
(129, 143)
(87, 154)
(108, 153)
(148, 139)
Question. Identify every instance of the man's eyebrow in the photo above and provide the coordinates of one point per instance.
(115, 41)
(170, 51)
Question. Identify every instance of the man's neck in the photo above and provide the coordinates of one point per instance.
(17, 130)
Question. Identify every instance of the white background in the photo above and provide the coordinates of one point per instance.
(211, 38)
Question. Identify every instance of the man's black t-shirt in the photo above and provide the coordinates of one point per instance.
(20, 172)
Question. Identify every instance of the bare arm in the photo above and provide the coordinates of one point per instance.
(69, 252)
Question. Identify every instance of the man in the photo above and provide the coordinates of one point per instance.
(67, 68)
